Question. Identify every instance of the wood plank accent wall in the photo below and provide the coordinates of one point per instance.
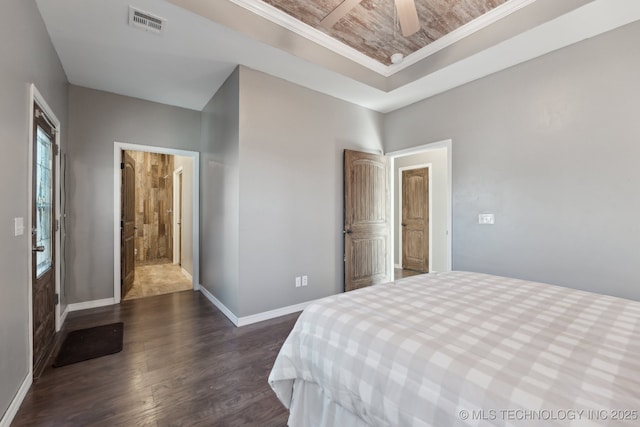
(154, 201)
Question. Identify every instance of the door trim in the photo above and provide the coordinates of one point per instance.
(400, 170)
(118, 148)
(448, 144)
(36, 97)
(176, 184)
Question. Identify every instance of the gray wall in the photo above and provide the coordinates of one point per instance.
(551, 148)
(291, 200)
(219, 200)
(271, 190)
(96, 120)
(27, 57)
(187, 211)
(439, 202)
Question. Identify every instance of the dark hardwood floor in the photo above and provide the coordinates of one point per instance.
(399, 273)
(183, 364)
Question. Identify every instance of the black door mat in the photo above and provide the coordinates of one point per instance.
(85, 344)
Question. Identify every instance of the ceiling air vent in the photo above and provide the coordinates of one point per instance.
(146, 21)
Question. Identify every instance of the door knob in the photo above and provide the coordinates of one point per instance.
(37, 249)
(347, 232)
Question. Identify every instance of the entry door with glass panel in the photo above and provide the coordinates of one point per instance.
(43, 235)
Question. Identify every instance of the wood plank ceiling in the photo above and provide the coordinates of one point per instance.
(371, 26)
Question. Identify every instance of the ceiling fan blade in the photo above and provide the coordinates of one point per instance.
(336, 14)
(408, 17)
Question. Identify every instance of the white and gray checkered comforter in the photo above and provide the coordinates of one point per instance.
(463, 348)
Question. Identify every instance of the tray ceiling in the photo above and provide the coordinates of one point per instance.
(371, 26)
(204, 41)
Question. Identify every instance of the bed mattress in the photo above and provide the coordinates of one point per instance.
(460, 348)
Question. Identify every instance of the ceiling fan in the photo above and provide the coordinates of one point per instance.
(407, 15)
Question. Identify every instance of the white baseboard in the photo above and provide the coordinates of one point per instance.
(215, 301)
(186, 273)
(12, 410)
(254, 318)
(272, 314)
(398, 266)
(63, 317)
(90, 304)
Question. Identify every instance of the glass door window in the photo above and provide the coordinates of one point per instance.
(44, 201)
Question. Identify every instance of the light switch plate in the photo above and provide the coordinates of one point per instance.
(486, 219)
(18, 226)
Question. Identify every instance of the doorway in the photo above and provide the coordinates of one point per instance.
(151, 251)
(372, 229)
(151, 208)
(436, 157)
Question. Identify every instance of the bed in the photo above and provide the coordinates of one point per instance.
(461, 348)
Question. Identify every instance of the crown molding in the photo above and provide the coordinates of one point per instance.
(458, 34)
(290, 23)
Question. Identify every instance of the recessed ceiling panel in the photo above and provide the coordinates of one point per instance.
(372, 28)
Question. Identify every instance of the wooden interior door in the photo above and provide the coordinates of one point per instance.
(43, 235)
(127, 223)
(415, 219)
(367, 228)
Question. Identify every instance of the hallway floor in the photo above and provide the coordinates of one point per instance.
(158, 279)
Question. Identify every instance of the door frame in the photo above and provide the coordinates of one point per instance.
(118, 148)
(36, 97)
(176, 207)
(430, 191)
(448, 144)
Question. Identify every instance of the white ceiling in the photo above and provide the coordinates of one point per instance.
(187, 64)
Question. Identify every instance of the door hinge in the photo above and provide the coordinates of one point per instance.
(121, 165)
(57, 299)
(57, 224)
(121, 224)
(56, 149)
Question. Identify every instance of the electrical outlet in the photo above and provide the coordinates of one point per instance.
(298, 282)
(486, 219)
(305, 280)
